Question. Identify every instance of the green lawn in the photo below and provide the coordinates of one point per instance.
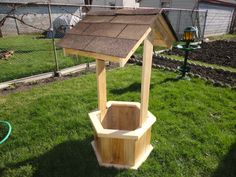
(194, 134)
(223, 37)
(33, 55)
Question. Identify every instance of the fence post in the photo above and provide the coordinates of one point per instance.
(56, 73)
(204, 27)
(178, 23)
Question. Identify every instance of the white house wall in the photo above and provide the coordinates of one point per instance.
(186, 4)
(36, 16)
(150, 3)
(125, 3)
(183, 4)
(130, 3)
(218, 18)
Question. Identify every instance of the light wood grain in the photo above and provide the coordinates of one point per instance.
(101, 87)
(161, 34)
(105, 149)
(146, 76)
(93, 55)
(129, 149)
(103, 131)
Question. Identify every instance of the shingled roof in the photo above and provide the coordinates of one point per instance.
(115, 34)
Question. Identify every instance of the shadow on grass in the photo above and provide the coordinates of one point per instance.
(227, 166)
(68, 159)
(134, 87)
(170, 80)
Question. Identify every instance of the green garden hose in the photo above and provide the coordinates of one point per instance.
(8, 127)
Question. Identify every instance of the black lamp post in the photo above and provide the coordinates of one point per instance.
(189, 37)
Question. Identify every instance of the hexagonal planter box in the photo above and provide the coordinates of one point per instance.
(119, 141)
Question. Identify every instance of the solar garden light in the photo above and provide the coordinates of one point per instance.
(189, 37)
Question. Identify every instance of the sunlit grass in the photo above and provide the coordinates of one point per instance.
(33, 54)
(194, 134)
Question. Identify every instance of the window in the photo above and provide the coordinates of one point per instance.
(165, 3)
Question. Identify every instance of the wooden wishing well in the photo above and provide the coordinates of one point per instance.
(122, 129)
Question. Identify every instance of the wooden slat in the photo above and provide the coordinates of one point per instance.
(117, 151)
(106, 150)
(148, 137)
(140, 146)
(146, 76)
(113, 122)
(101, 86)
(129, 152)
(93, 55)
(161, 34)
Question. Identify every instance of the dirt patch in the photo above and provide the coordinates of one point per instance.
(217, 52)
(5, 55)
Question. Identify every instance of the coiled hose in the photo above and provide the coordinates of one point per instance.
(8, 127)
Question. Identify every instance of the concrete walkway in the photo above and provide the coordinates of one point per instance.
(62, 72)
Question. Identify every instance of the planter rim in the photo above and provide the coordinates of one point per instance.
(121, 134)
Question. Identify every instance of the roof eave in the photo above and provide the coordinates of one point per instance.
(219, 2)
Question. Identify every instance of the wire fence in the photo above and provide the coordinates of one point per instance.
(29, 32)
(180, 19)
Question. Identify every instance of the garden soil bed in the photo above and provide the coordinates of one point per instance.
(220, 52)
(217, 76)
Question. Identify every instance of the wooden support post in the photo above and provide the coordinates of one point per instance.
(146, 76)
(101, 86)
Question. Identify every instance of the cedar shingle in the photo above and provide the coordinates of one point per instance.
(116, 32)
(78, 28)
(104, 29)
(133, 32)
(73, 41)
(111, 46)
